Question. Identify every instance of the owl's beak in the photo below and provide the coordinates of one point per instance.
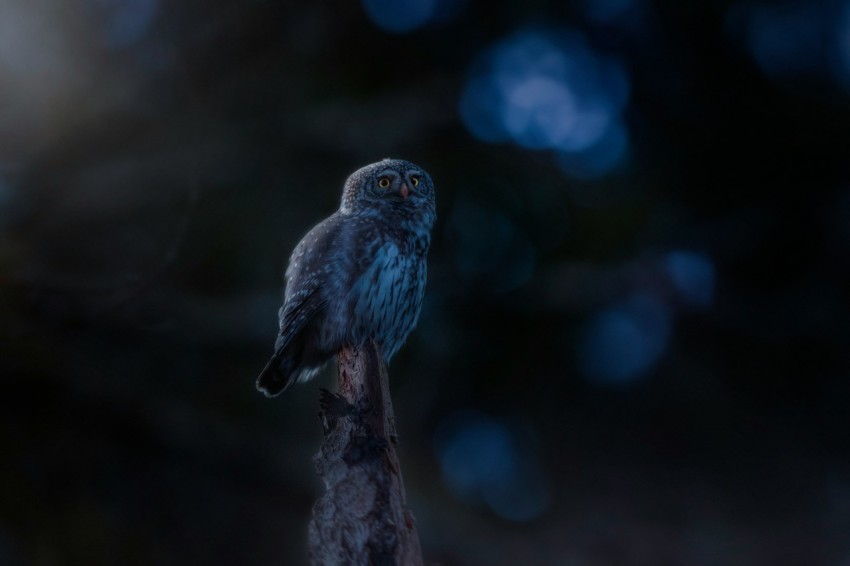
(404, 191)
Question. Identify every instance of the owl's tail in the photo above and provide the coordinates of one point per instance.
(275, 378)
(281, 373)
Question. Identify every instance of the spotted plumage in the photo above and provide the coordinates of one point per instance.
(359, 274)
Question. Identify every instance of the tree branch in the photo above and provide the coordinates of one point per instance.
(363, 516)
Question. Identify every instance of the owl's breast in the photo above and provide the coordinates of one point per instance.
(385, 301)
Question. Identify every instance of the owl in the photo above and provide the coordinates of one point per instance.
(357, 275)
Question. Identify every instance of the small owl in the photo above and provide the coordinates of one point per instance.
(358, 274)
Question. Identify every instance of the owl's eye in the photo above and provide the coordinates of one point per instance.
(384, 182)
(415, 180)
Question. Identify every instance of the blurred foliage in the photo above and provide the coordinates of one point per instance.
(634, 343)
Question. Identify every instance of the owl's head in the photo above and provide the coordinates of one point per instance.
(391, 182)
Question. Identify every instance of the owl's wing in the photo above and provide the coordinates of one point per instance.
(294, 317)
(305, 298)
(307, 277)
(299, 310)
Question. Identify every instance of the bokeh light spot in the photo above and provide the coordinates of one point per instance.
(622, 343)
(785, 40)
(598, 159)
(483, 461)
(543, 112)
(548, 90)
(796, 39)
(400, 16)
(693, 276)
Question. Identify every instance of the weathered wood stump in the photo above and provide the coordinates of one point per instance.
(363, 516)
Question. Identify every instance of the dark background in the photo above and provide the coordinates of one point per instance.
(633, 348)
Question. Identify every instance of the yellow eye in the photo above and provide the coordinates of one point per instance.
(415, 181)
(384, 182)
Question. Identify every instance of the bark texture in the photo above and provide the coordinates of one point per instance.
(363, 517)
